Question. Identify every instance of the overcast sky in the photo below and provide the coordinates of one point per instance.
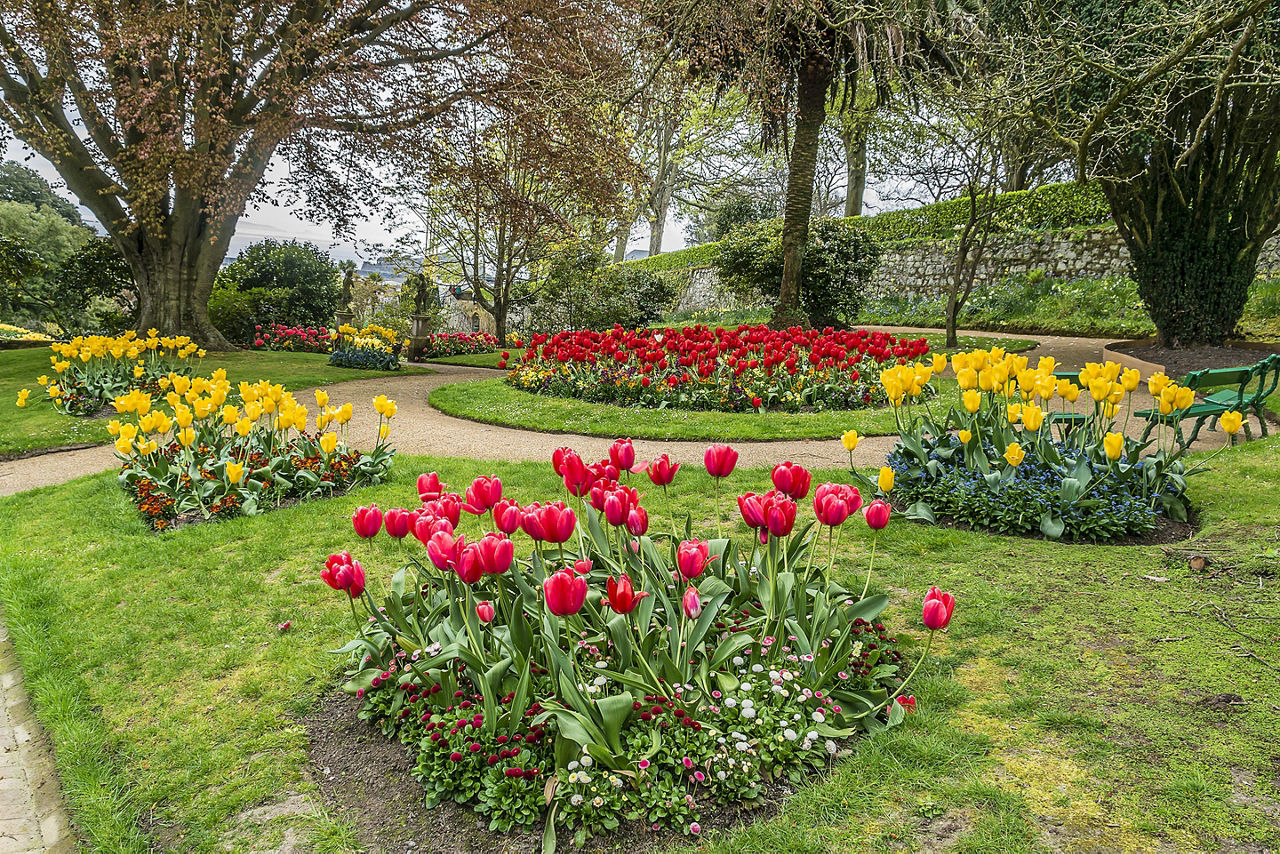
(280, 223)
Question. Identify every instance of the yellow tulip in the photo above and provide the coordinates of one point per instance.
(1032, 416)
(138, 372)
(345, 413)
(328, 442)
(964, 436)
(43, 379)
(967, 377)
(322, 397)
(1100, 389)
(1014, 454)
(243, 427)
(1014, 412)
(1117, 394)
(124, 446)
(230, 414)
(1109, 409)
(1046, 364)
(128, 431)
(1230, 422)
(186, 437)
(1185, 397)
(1113, 444)
(1130, 379)
(986, 380)
(384, 431)
(885, 479)
(850, 439)
(939, 363)
(1156, 384)
(235, 471)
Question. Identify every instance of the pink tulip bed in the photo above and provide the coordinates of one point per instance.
(585, 661)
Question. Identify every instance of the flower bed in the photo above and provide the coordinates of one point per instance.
(1005, 457)
(616, 672)
(373, 348)
(90, 371)
(698, 367)
(294, 339)
(9, 332)
(204, 458)
(444, 344)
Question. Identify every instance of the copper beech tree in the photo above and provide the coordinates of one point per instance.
(162, 117)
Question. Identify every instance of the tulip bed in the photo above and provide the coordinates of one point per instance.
(444, 344)
(617, 672)
(373, 348)
(292, 339)
(994, 459)
(88, 372)
(207, 459)
(704, 368)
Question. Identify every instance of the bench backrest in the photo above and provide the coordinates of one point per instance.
(1254, 384)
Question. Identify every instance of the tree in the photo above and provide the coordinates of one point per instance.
(163, 117)
(20, 184)
(792, 57)
(303, 276)
(1172, 107)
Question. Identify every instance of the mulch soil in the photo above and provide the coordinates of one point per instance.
(1178, 363)
(367, 778)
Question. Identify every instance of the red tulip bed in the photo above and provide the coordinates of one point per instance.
(458, 344)
(720, 369)
(581, 661)
(294, 339)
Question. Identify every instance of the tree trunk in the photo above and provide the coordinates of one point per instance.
(621, 236)
(175, 280)
(811, 94)
(656, 227)
(855, 160)
(500, 322)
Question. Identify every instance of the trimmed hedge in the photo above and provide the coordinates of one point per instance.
(1051, 207)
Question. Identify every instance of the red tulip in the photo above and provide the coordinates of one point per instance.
(484, 610)
(342, 572)
(779, 514)
(877, 514)
(483, 494)
(578, 479)
(443, 549)
(429, 487)
(692, 558)
(496, 553)
(447, 506)
(692, 603)
(398, 523)
(506, 515)
(831, 511)
(937, 609)
(842, 491)
(638, 521)
(468, 563)
(622, 454)
(622, 596)
(662, 471)
(557, 459)
(751, 506)
(425, 526)
(582, 566)
(908, 703)
(792, 479)
(367, 521)
(616, 507)
(552, 523)
(565, 593)
(720, 460)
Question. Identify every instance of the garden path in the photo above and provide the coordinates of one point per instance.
(420, 429)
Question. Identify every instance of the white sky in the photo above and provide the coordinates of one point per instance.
(281, 223)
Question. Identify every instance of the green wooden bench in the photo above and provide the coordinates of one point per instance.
(1247, 392)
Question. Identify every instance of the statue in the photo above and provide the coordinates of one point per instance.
(348, 278)
(421, 298)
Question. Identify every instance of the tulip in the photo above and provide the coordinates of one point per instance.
(235, 472)
(831, 510)
(557, 459)
(792, 479)
(565, 593)
(582, 566)
(429, 487)
(638, 522)
(1014, 454)
(397, 523)
(692, 603)
(484, 611)
(972, 401)
(496, 553)
(622, 454)
(426, 526)
(578, 479)
(482, 495)
(908, 703)
(779, 514)
(467, 562)
(850, 440)
(447, 506)
(622, 595)
(367, 521)
(662, 471)
(692, 558)
(720, 460)
(751, 506)
(1230, 422)
(507, 515)
(885, 479)
(328, 442)
(937, 609)
(1113, 445)
(964, 436)
(616, 507)
(877, 514)
(342, 572)
(552, 523)
(1032, 417)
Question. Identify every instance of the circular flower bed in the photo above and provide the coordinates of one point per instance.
(293, 339)
(444, 344)
(699, 367)
(373, 348)
(617, 671)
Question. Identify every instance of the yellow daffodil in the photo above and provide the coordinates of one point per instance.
(235, 471)
(1113, 445)
(964, 436)
(1230, 422)
(1014, 454)
(885, 479)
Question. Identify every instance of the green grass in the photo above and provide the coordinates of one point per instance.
(480, 360)
(39, 427)
(494, 402)
(1064, 704)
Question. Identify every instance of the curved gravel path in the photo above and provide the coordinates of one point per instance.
(420, 429)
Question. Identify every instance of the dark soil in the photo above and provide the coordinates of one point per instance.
(1177, 363)
(367, 778)
(1166, 531)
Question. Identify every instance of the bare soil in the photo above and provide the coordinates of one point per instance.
(1178, 363)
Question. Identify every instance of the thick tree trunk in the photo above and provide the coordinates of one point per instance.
(174, 285)
(811, 94)
(500, 322)
(855, 161)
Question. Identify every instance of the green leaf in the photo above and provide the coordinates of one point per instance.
(1052, 525)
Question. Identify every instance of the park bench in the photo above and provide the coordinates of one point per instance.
(1245, 391)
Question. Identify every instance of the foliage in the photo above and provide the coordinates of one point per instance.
(208, 459)
(296, 339)
(630, 667)
(444, 344)
(21, 184)
(1005, 469)
(838, 263)
(582, 291)
(373, 348)
(294, 284)
(702, 255)
(9, 332)
(89, 372)
(729, 370)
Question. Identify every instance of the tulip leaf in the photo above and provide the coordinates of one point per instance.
(922, 511)
(620, 632)
(897, 713)
(868, 608)
(1052, 525)
(731, 647)
(615, 711)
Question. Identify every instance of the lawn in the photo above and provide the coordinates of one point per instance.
(39, 427)
(480, 360)
(1078, 701)
(494, 402)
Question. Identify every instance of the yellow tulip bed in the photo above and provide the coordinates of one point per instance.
(1016, 453)
(373, 348)
(87, 372)
(200, 457)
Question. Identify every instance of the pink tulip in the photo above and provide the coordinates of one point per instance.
(425, 526)
(506, 516)
(468, 563)
(447, 506)
(751, 506)
(483, 494)
(582, 566)
(622, 454)
(398, 523)
(662, 471)
(496, 553)
(484, 610)
(443, 550)
(638, 522)
(552, 523)
(367, 521)
(792, 479)
(429, 487)
(692, 603)
(692, 558)
(779, 514)
(342, 572)
(937, 609)
(877, 514)
(720, 460)
(565, 593)
(835, 502)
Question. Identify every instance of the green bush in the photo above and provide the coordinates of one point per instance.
(236, 312)
(838, 263)
(292, 283)
(583, 291)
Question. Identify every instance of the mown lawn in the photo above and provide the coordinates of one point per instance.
(38, 426)
(480, 360)
(1076, 702)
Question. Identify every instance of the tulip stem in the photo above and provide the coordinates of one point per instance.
(874, 538)
(719, 522)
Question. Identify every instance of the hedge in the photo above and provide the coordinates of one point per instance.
(1048, 208)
